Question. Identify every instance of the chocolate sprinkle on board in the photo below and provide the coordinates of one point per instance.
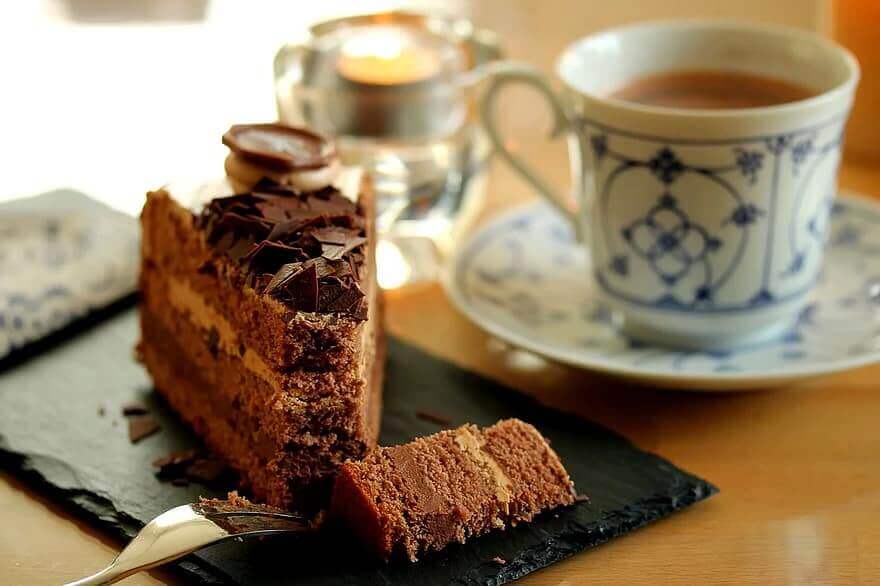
(134, 408)
(174, 464)
(184, 467)
(140, 427)
(304, 249)
(207, 471)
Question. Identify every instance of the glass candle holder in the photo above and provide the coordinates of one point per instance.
(393, 89)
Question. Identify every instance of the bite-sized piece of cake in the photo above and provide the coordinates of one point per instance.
(261, 317)
(449, 487)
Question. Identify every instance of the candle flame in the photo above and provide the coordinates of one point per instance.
(384, 44)
(387, 55)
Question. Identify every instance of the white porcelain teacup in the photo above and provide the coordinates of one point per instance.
(705, 227)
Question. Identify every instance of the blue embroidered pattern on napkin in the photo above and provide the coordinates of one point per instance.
(62, 255)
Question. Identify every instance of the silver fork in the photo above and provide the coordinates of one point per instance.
(185, 529)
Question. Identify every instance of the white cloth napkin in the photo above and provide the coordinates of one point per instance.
(62, 255)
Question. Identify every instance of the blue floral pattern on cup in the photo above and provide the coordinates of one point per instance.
(669, 240)
(698, 252)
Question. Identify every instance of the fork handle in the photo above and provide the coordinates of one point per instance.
(171, 535)
(109, 575)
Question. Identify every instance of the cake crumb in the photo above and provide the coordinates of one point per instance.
(102, 411)
(581, 498)
(499, 560)
(233, 523)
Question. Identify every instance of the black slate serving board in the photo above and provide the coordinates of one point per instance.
(51, 433)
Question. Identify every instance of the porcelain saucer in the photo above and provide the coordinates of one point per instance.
(524, 279)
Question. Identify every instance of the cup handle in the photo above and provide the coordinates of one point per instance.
(288, 57)
(504, 73)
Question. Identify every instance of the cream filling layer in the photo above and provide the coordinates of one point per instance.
(245, 175)
(185, 299)
(471, 445)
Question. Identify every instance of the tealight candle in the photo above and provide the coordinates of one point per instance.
(393, 81)
(386, 55)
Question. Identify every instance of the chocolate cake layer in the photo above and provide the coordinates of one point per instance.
(283, 390)
(257, 390)
(242, 394)
(448, 487)
(278, 465)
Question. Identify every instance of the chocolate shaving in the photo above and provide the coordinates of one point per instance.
(333, 251)
(324, 268)
(304, 249)
(291, 226)
(225, 241)
(206, 471)
(359, 311)
(182, 468)
(334, 235)
(134, 408)
(241, 248)
(256, 227)
(301, 289)
(282, 276)
(267, 256)
(272, 212)
(140, 427)
(174, 464)
(334, 298)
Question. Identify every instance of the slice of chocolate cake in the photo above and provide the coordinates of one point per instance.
(449, 487)
(261, 317)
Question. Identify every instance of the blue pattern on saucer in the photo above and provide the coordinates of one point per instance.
(524, 279)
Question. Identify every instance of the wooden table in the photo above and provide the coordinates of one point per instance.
(798, 468)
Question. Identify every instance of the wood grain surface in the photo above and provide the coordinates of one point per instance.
(799, 468)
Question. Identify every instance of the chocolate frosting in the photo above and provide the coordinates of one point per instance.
(304, 249)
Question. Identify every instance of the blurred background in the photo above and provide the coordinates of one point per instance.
(114, 97)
